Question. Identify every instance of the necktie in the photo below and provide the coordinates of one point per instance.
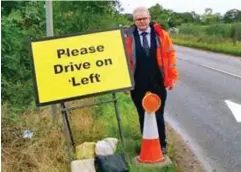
(145, 43)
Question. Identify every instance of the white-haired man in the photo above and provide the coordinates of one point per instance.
(153, 63)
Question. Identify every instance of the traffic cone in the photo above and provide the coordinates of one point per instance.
(150, 146)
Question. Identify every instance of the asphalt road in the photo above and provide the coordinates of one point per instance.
(197, 108)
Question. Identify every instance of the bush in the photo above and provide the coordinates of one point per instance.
(217, 30)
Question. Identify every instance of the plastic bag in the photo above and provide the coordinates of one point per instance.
(111, 163)
(86, 165)
(85, 150)
(106, 146)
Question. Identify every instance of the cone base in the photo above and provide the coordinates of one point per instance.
(151, 151)
(166, 162)
(149, 161)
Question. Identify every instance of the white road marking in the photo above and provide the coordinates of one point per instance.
(235, 108)
(222, 71)
(212, 68)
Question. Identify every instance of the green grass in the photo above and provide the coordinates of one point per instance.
(219, 29)
(129, 121)
(208, 43)
(148, 169)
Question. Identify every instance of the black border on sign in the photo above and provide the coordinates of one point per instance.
(83, 96)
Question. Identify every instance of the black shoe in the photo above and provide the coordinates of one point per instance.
(164, 150)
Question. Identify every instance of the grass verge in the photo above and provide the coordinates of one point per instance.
(46, 150)
(208, 43)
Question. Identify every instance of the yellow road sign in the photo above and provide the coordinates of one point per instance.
(70, 67)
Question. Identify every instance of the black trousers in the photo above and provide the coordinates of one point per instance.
(137, 96)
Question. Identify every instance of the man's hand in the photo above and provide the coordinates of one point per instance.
(171, 86)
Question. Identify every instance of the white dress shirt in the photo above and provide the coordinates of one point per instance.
(148, 36)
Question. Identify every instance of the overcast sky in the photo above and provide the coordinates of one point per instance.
(198, 6)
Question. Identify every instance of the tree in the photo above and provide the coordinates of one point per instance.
(208, 11)
(8, 6)
(18, 26)
(160, 15)
(233, 15)
(209, 18)
(196, 17)
(236, 33)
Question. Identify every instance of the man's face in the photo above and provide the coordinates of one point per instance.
(142, 20)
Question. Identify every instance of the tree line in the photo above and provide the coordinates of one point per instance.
(169, 18)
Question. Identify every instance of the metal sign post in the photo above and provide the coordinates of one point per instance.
(119, 125)
(67, 132)
(118, 118)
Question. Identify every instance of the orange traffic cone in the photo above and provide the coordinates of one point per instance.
(150, 146)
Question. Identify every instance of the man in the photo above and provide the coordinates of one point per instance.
(153, 63)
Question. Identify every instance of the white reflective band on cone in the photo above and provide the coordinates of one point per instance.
(150, 126)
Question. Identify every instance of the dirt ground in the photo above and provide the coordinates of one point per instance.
(181, 154)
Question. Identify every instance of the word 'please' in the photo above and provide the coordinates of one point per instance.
(82, 51)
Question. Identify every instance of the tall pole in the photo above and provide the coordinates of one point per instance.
(50, 32)
(49, 18)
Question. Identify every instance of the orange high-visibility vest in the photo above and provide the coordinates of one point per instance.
(166, 55)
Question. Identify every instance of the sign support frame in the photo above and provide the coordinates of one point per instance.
(68, 131)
